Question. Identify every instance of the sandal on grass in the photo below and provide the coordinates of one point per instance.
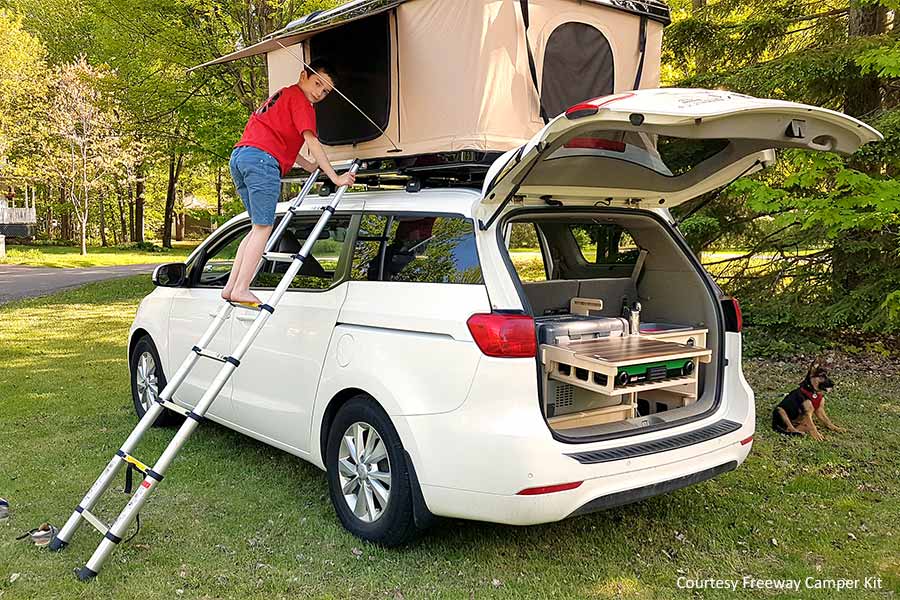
(40, 536)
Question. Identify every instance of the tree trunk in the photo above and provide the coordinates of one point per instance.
(219, 190)
(863, 92)
(139, 188)
(179, 226)
(83, 237)
(175, 162)
(123, 226)
(64, 230)
(102, 200)
(855, 251)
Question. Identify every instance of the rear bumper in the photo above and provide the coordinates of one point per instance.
(654, 489)
(593, 495)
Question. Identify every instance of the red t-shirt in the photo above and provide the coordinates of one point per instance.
(277, 126)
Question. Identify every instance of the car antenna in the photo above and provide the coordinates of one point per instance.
(342, 95)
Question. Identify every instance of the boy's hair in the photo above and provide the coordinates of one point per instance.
(321, 65)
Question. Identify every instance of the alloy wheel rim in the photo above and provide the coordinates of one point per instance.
(147, 380)
(364, 472)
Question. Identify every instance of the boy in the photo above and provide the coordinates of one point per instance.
(268, 149)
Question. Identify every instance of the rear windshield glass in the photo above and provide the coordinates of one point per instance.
(668, 156)
(425, 249)
(604, 244)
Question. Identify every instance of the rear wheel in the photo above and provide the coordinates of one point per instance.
(367, 474)
(148, 380)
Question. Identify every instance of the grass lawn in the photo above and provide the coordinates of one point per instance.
(235, 518)
(70, 256)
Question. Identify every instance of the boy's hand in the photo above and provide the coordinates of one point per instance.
(345, 179)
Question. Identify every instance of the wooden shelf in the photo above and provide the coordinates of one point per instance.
(695, 337)
(596, 416)
(598, 362)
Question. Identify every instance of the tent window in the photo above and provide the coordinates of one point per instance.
(361, 54)
(578, 66)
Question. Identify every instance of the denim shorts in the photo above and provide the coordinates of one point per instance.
(257, 179)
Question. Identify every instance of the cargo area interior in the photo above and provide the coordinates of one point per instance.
(626, 327)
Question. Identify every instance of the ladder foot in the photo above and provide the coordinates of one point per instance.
(85, 574)
(57, 544)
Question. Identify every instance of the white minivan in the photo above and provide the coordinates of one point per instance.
(432, 372)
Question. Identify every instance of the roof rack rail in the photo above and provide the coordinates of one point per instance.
(463, 168)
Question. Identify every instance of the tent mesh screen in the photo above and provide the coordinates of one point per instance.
(578, 66)
(360, 52)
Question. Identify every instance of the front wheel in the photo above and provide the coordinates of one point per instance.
(148, 381)
(367, 474)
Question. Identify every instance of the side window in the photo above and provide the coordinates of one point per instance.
(216, 267)
(605, 244)
(321, 268)
(525, 252)
(430, 249)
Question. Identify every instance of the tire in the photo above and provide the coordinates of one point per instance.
(148, 380)
(389, 523)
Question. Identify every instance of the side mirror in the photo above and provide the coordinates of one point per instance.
(170, 275)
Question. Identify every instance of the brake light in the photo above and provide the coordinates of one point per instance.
(585, 109)
(592, 106)
(504, 336)
(549, 489)
(734, 319)
(587, 143)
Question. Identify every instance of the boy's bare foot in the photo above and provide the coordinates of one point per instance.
(226, 294)
(247, 297)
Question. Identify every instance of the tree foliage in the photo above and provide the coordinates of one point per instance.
(819, 234)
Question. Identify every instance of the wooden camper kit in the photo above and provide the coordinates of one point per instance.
(618, 370)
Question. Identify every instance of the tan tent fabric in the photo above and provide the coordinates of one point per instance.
(464, 80)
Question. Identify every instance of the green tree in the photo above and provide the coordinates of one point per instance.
(820, 231)
(82, 144)
(23, 92)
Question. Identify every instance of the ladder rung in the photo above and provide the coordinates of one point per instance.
(216, 356)
(253, 307)
(250, 307)
(173, 407)
(90, 518)
(280, 257)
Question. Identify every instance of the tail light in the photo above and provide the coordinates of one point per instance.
(734, 320)
(504, 336)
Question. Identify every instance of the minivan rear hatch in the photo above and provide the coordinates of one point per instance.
(660, 148)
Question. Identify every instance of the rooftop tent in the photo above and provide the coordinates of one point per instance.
(443, 76)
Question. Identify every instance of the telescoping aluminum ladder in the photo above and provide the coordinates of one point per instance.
(112, 535)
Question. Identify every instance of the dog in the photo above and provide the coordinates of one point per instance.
(794, 414)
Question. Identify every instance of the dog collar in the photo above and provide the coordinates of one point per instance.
(809, 394)
(814, 397)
